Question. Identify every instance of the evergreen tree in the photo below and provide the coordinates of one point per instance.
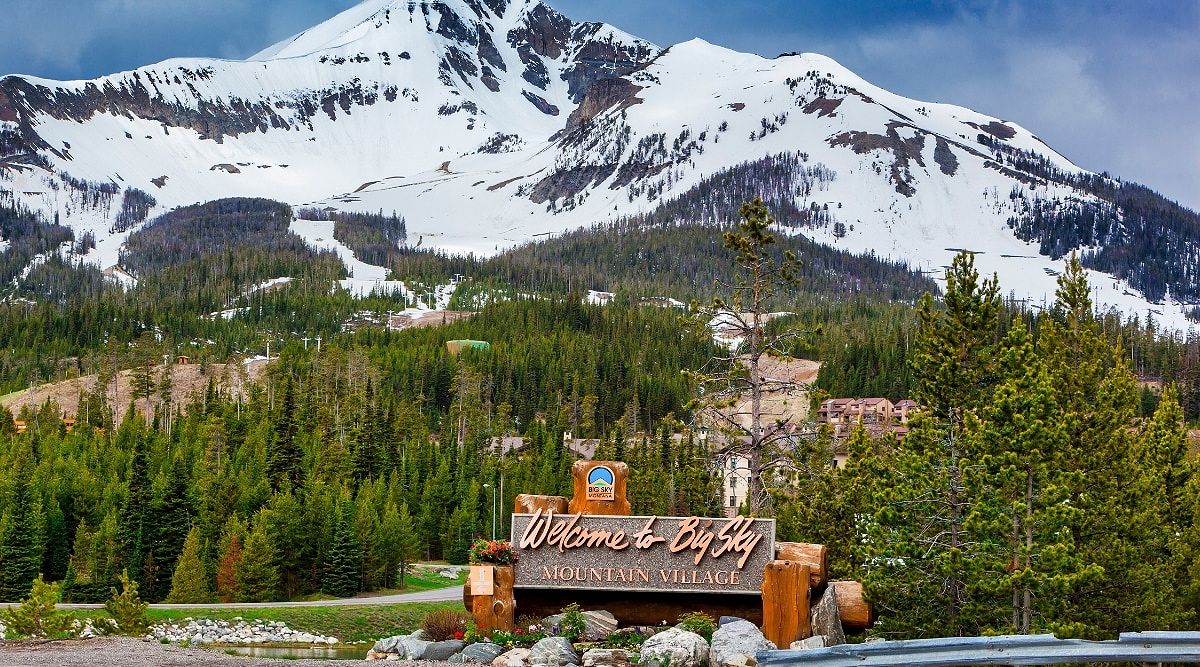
(340, 574)
(134, 527)
(1097, 394)
(20, 535)
(1021, 516)
(919, 534)
(189, 584)
(257, 575)
(285, 459)
(171, 520)
(1166, 510)
(230, 559)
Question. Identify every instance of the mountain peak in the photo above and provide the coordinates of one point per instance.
(487, 123)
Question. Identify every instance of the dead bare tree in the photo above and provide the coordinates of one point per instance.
(741, 318)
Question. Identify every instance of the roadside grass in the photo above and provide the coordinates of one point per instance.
(348, 623)
(425, 580)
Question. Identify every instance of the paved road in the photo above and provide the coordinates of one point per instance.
(435, 595)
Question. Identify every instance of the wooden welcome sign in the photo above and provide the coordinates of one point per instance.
(650, 569)
(642, 553)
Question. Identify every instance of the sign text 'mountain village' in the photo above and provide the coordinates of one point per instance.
(699, 554)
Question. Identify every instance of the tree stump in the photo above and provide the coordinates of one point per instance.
(785, 602)
(815, 556)
(527, 503)
(856, 613)
(495, 611)
(603, 495)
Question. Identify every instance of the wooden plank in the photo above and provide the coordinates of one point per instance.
(816, 556)
(580, 504)
(481, 580)
(528, 503)
(856, 613)
(785, 592)
(495, 611)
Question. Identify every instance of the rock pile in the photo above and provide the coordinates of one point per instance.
(239, 631)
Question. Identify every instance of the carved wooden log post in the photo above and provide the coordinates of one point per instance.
(527, 503)
(785, 602)
(494, 611)
(815, 556)
(856, 613)
(603, 495)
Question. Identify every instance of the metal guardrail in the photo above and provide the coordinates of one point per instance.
(1001, 650)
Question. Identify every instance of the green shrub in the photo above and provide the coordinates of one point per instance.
(37, 615)
(127, 608)
(627, 638)
(573, 625)
(699, 623)
(444, 624)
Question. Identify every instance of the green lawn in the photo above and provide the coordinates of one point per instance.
(428, 581)
(347, 623)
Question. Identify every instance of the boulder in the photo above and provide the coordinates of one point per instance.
(736, 644)
(483, 652)
(826, 620)
(606, 657)
(553, 652)
(517, 657)
(387, 644)
(411, 649)
(675, 648)
(443, 650)
(725, 620)
(816, 641)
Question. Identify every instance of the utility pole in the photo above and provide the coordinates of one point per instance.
(489, 486)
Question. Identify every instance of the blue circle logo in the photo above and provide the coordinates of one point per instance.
(600, 476)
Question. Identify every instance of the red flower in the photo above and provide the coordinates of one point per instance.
(458, 634)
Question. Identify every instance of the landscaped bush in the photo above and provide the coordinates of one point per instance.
(699, 623)
(37, 615)
(444, 624)
(573, 625)
(628, 638)
(127, 607)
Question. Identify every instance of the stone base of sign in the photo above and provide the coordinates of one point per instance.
(495, 611)
(640, 608)
(785, 592)
(582, 504)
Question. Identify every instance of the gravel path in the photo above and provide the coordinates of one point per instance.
(129, 652)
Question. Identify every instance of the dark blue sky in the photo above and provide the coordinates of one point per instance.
(1113, 85)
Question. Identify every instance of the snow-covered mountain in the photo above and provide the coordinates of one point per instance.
(488, 123)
